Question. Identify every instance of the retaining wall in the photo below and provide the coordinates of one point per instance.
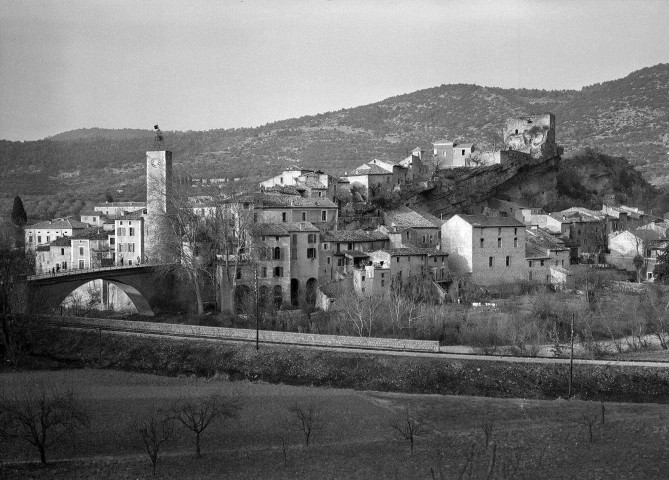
(266, 336)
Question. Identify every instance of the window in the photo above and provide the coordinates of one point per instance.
(255, 217)
(120, 232)
(398, 259)
(64, 266)
(328, 260)
(383, 283)
(264, 272)
(542, 263)
(81, 251)
(515, 231)
(463, 152)
(276, 238)
(131, 247)
(340, 262)
(278, 271)
(530, 276)
(283, 216)
(131, 231)
(48, 238)
(62, 251)
(515, 243)
(293, 239)
(246, 205)
(320, 194)
(350, 246)
(311, 238)
(508, 261)
(530, 265)
(239, 274)
(281, 179)
(277, 253)
(30, 239)
(490, 261)
(129, 262)
(112, 240)
(81, 264)
(39, 238)
(262, 238)
(363, 278)
(311, 253)
(499, 231)
(304, 216)
(325, 246)
(424, 238)
(499, 243)
(324, 215)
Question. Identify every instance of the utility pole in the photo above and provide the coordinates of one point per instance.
(257, 311)
(571, 358)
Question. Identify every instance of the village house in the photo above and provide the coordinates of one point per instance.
(128, 243)
(412, 263)
(625, 246)
(270, 208)
(451, 155)
(491, 250)
(586, 229)
(406, 227)
(90, 249)
(54, 257)
(547, 257)
(341, 251)
(309, 183)
(43, 233)
(115, 209)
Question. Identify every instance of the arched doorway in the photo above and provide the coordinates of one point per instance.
(278, 296)
(294, 292)
(243, 299)
(312, 287)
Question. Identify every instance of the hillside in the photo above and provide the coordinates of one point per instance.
(628, 117)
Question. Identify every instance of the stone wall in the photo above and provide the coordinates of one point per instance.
(266, 336)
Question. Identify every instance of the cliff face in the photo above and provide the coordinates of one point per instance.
(520, 178)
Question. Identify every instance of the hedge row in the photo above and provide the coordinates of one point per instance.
(300, 366)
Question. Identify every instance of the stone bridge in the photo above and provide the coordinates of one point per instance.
(149, 287)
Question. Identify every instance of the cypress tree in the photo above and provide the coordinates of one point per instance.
(19, 216)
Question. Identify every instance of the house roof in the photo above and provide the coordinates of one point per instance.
(352, 236)
(121, 204)
(395, 252)
(270, 229)
(92, 234)
(368, 169)
(543, 239)
(441, 142)
(59, 223)
(483, 221)
(534, 251)
(282, 201)
(283, 189)
(354, 253)
(312, 182)
(403, 217)
(61, 242)
(463, 145)
(299, 227)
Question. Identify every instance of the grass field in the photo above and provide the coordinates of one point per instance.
(530, 438)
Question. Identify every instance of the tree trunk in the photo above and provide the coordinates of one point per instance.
(42, 454)
(198, 453)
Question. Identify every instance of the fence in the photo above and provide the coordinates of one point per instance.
(266, 336)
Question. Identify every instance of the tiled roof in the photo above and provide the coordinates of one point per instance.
(439, 142)
(299, 227)
(281, 201)
(532, 250)
(284, 189)
(463, 145)
(352, 236)
(132, 215)
(544, 239)
(354, 253)
(121, 204)
(648, 234)
(483, 221)
(312, 182)
(59, 223)
(61, 242)
(92, 234)
(394, 252)
(370, 170)
(404, 217)
(270, 229)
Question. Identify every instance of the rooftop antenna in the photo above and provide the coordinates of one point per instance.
(158, 141)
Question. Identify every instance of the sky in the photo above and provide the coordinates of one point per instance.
(201, 64)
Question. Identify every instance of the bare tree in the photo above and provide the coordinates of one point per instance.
(408, 429)
(197, 414)
(589, 421)
(156, 429)
(306, 419)
(42, 417)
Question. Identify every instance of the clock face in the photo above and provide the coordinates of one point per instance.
(155, 162)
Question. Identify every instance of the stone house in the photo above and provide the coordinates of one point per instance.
(406, 227)
(309, 183)
(90, 249)
(451, 155)
(411, 262)
(491, 250)
(340, 251)
(547, 257)
(320, 212)
(587, 229)
(54, 257)
(43, 233)
(625, 246)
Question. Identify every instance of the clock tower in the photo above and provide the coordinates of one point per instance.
(159, 202)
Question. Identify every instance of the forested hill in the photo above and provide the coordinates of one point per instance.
(628, 117)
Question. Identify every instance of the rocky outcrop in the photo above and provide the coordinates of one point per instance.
(519, 178)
